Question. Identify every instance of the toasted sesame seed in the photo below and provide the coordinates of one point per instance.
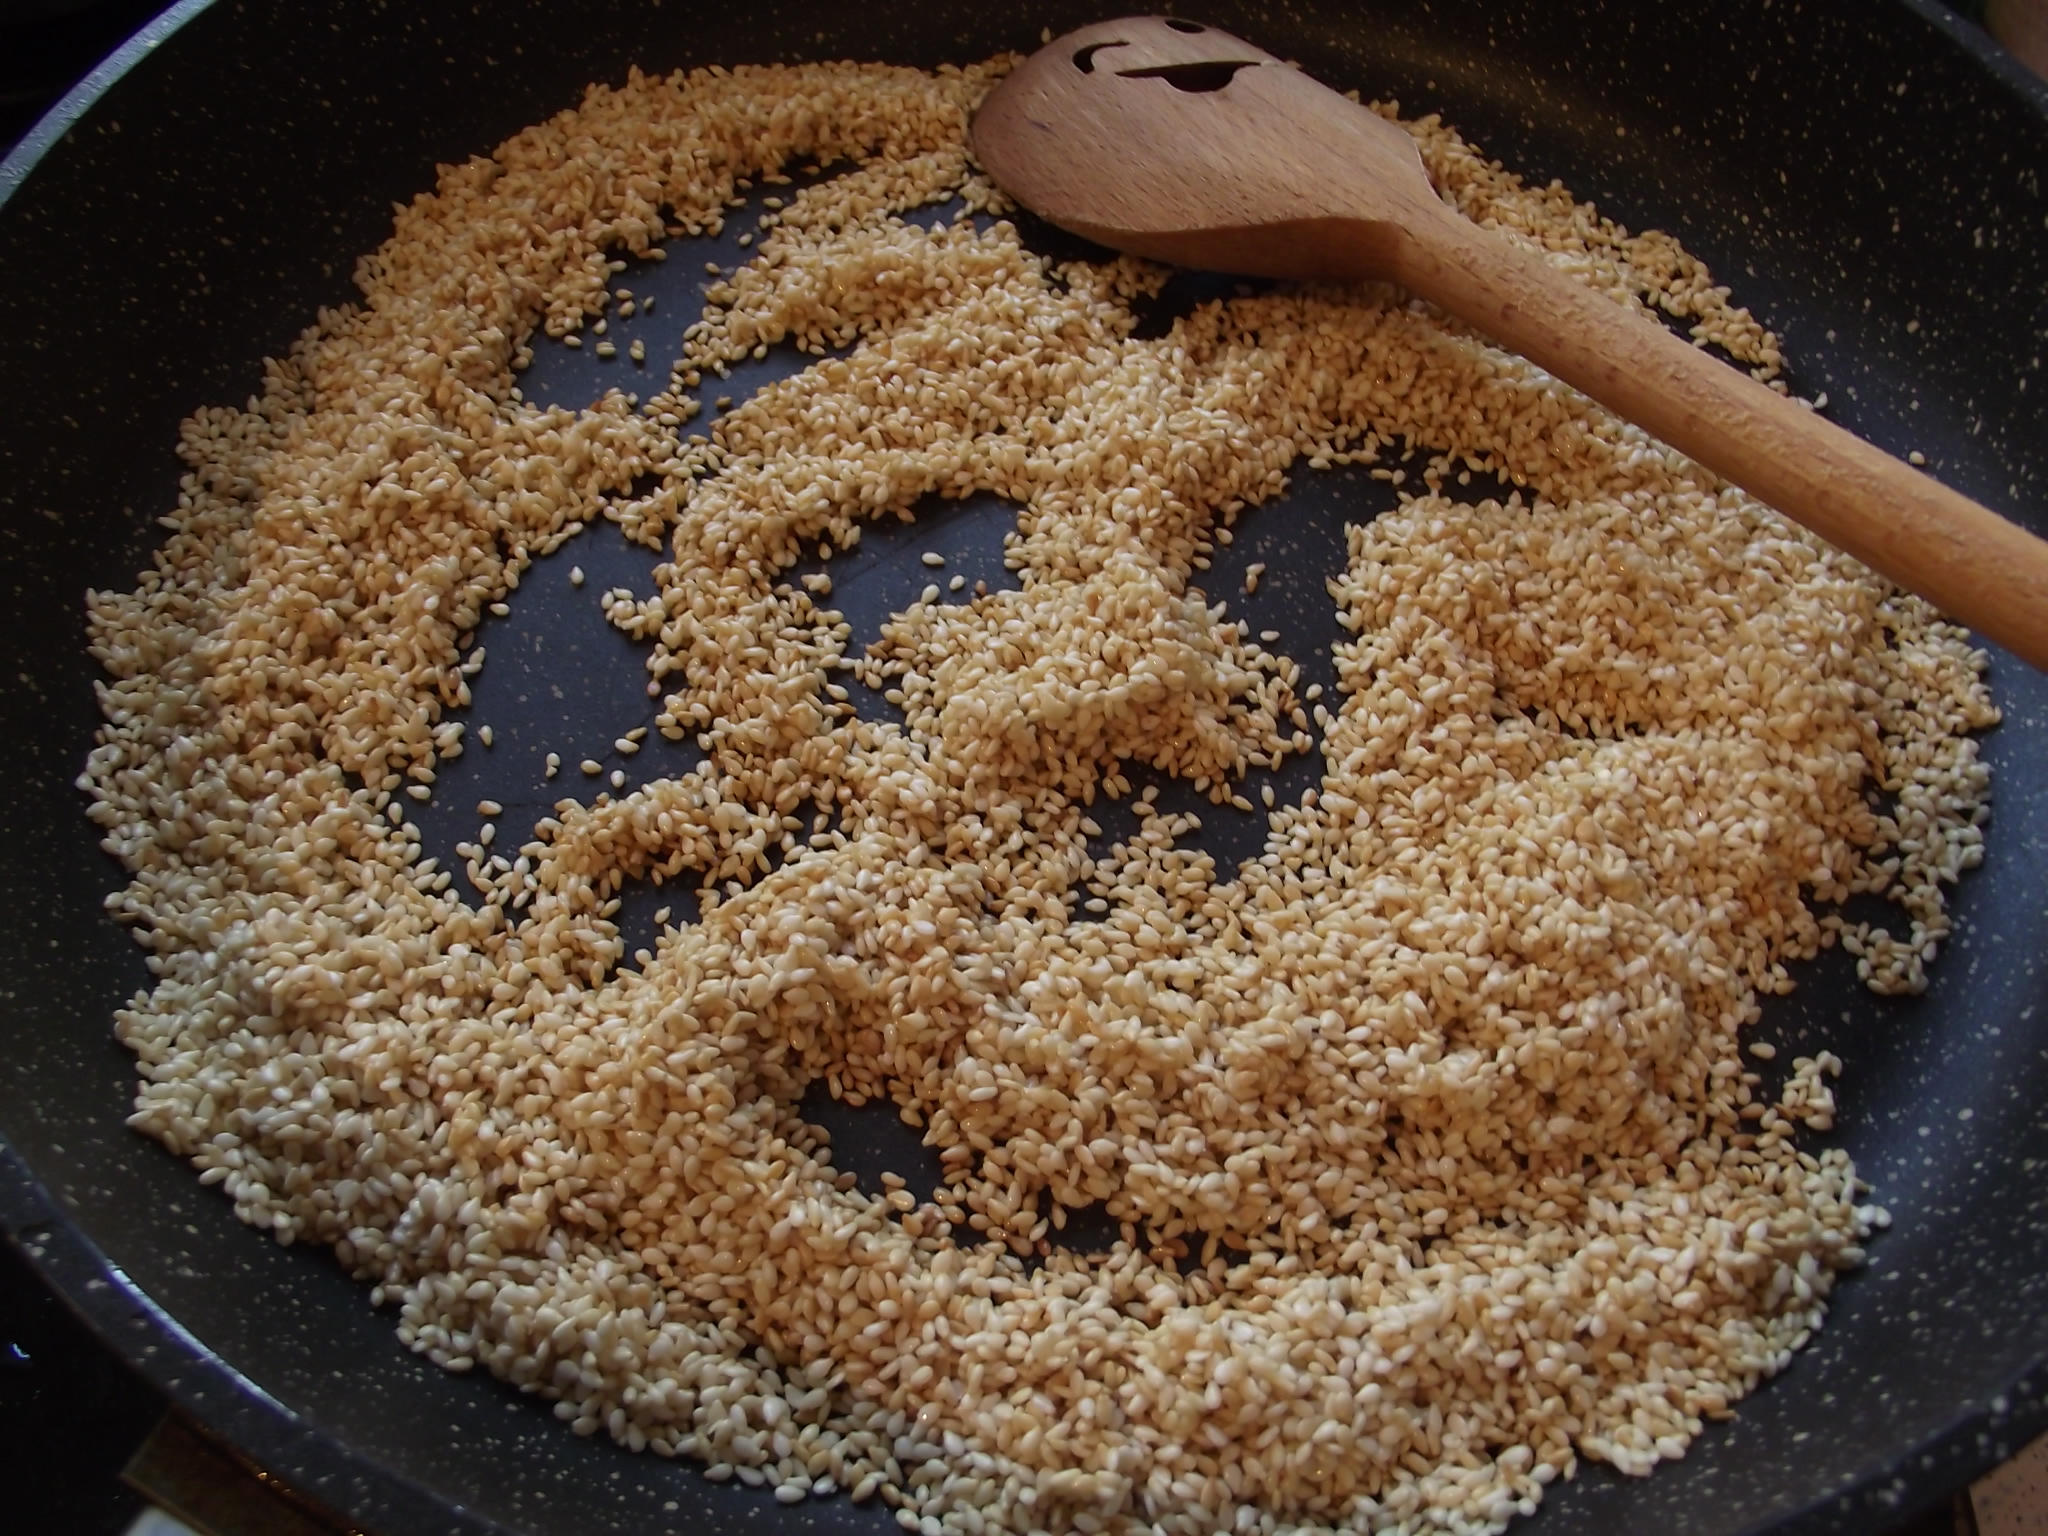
(1434, 1110)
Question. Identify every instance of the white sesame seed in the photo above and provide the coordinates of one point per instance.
(1505, 952)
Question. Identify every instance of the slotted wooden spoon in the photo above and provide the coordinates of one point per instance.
(1182, 143)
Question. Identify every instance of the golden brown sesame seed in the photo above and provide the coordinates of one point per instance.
(1426, 1130)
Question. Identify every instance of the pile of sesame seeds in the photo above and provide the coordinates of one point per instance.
(1436, 1158)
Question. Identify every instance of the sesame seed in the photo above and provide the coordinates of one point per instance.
(1437, 1109)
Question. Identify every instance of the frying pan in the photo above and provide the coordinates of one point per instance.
(1867, 177)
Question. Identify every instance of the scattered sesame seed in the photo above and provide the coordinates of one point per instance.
(1435, 1111)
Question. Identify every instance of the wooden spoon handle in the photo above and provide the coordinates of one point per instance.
(1975, 566)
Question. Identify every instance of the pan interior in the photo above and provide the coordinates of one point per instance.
(1934, 1332)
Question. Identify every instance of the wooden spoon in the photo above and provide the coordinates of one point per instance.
(1182, 143)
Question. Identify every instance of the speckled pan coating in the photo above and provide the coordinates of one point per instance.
(1850, 170)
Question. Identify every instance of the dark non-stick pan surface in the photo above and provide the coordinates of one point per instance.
(1863, 175)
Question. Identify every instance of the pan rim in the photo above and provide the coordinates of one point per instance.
(49, 129)
(352, 1483)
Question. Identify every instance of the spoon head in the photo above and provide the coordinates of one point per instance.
(1175, 140)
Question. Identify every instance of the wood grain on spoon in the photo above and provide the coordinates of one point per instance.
(1187, 145)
